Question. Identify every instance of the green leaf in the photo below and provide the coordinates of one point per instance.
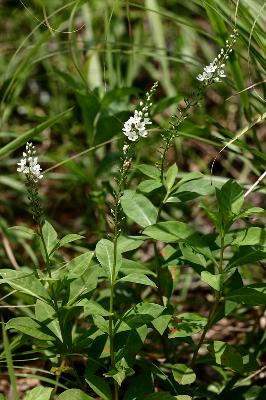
(254, 295)
(25, 282)
(168, 232)
(225, 354)
(230, 201)
(186, 324)
(215, 281)
(105, 254)
(139, 208)
(49, 236)
(251, 211)
(45, 314)
(149, 185)
(183, 397)
(129, 267)
(30, 327)
(73, 394)
(40, 393)
(245, 237)
(137, 278)
(91, 307)
(149, 170)
(78, 265)
(68, 239)
(161, 323)
(194, 188)
(84, 284)
(26, 136)
(99, 385)
(125, 244)
(183, 374)
(246, 255)
(142, 314)
(170, 177)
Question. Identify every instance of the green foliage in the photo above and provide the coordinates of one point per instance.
(147, 281)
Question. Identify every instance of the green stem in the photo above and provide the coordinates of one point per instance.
(214, 308)
(111, 304)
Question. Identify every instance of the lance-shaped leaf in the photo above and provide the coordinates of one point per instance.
(105, 254)
(25, 282)
(139, 208)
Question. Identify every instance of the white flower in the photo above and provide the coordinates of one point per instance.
(28, 165)
(214, 71)
(135, 126)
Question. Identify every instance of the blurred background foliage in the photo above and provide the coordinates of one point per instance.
(71, 73)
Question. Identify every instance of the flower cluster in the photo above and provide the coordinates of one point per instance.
(215, 70)
(135, 126)
(28, 165)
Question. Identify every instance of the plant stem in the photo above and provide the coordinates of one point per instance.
(213, 310)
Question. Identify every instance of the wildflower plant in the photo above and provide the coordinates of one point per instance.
(76, 303)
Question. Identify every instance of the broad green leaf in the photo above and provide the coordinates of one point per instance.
(99, 385)
(149, 185)
(190, 176)
(170, 177)
(91, 307)
(139, 208)
(49, 236)
(84, 284)
(193, 256)
(149, 170)
(24, 282)
(68, 239)
(245, 237)
(45, 314)
(230, 201)
(183, 397)
(40, 393)
(73, 394)
(225, 354)
(125, 244)
(194, 188)
(142, 314)
(186, 324)
(105, 254)
(129, 267)
(254, 295)
(168, 232)
(215, 281)
(78, 265)
(246, 255)
(161, 323)
(183, 374)
(137, 278)
(120, 372)
(30, 327)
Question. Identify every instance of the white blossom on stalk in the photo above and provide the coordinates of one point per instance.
(29, 165)
(136, 126)
(215, 70)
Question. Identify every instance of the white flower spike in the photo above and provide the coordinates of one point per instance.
(214, 71)
(28, 165)
(135, 127)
